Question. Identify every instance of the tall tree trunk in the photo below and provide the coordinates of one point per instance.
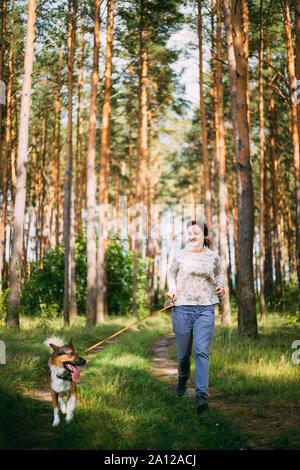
(43, 188)
(296, 153)
(31, 195)
(291, 247)
(91, 177)
(274, 175)
(55, 159)
(212, 128)
(268, 261)
(37, 178)
(104, 172)
(3, 33)
(142, 145)
(262, 170)
(72, 11)
(13, 154)
(233, 99)
(155, 182)
(52, 177)
(149, 198)
(79, 140)
(72, 264)
(7, 147)
(221, 157)
(130, 151)
(117, 204)
(19, 209)
(58, 173)
(206, 169)
(238, 73)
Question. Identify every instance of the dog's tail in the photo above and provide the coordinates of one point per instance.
(53, 340)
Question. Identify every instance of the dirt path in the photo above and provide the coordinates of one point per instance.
(260, 424)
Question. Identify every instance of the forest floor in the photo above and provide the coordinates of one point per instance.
(258, 422)
(129, 390)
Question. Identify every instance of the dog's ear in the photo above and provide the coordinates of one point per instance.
(71, 342)
(55, 348)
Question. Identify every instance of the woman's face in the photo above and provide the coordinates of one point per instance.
(195, 236)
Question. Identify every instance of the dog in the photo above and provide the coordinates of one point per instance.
(62, 375)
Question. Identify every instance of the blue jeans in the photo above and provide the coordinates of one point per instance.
(194, 321)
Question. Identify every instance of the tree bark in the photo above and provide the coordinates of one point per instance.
(79, 139)
(52, 177)
(142, 145)
(296, 124)
(274, 176)
(262, 170)
(91, 177)
(221, 158)
(130, 151)
(101, 303)
(19, 209)
(290, 244)
(238, 73)
(206, 169)
(268, 261)
(7, 146)
(2, 52)
(69, 163)
(58, 172)
(43, 186)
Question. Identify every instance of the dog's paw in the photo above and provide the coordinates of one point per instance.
(56, 420)
(69, 417)
(63, 408)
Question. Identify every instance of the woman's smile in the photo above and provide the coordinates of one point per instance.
(195, 238)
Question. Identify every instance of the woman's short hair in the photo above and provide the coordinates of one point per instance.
(202, 225)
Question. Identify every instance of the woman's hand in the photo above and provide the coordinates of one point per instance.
(171, 295)
(220, 291)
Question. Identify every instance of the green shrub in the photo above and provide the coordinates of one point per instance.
(286, 302)
(42, 291)
(3, 305)
(45, 284)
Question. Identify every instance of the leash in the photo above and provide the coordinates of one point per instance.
(168, 304)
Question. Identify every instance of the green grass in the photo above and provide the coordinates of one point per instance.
(261, 367)
(26, 361)
(128, 408)
(260, 373)
(122, 405)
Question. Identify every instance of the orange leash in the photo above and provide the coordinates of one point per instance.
(168, 304)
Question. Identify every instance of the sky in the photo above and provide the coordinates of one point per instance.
(190, 77)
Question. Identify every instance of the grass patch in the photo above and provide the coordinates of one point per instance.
(121, 404)
(262, 367)
(24, 371)
(261, 374)
(128, 408)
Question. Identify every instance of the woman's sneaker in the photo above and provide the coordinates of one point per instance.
(181, 387)
(201, 403)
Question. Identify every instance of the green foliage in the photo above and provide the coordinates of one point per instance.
(3, 305)
(286, 301)
(120, 278)
(42, 292)
(44, 286)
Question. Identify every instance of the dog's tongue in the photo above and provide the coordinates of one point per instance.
(75, 372)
